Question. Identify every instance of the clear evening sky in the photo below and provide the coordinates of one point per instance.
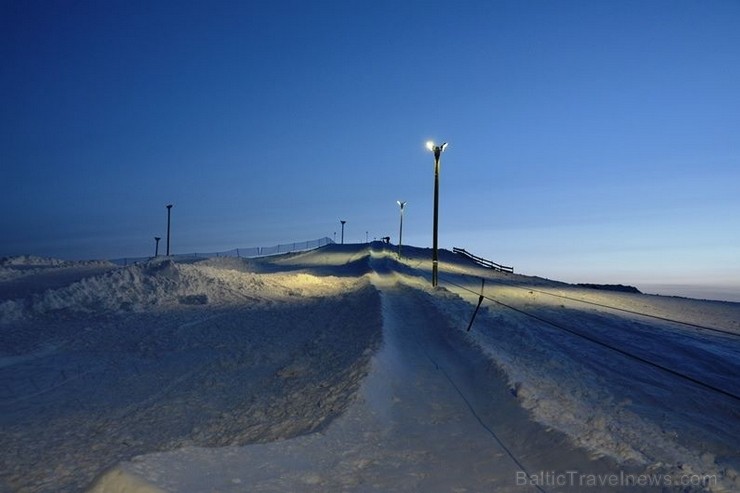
(589, 141)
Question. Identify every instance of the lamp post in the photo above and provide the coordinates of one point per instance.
(156, 246)
(437, 150)
(342, 221)
(169, 210)
(400, 231)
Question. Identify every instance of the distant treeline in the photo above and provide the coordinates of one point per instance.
(612, 287)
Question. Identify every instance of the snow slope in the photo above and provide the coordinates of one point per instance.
(609, 403)
(273, 365)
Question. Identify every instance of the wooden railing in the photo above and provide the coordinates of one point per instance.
(482, 261)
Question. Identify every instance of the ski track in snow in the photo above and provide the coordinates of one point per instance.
(411, 428)
(234, 375)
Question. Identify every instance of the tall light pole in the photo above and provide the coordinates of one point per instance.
(437, 150)
(169, 210)
(400, 231)
(342, 221)
(156, 246)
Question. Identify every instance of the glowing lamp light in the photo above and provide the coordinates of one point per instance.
(436, 148)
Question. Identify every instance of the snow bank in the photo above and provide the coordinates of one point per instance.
(164, 355)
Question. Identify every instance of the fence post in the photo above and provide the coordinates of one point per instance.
(480, 300)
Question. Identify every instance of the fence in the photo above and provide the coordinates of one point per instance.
(483, 262)
(249, 252)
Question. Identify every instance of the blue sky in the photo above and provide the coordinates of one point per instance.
(593, 141)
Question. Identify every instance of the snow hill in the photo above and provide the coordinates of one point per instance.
(342, 369)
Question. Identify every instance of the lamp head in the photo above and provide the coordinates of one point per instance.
(436, 148)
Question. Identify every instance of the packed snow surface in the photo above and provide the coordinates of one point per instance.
(342, 369)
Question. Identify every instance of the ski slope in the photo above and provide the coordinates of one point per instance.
(341, 369)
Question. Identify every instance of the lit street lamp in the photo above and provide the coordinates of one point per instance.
(342, 221)
(400, 231)
(437, 150)
(169, 210)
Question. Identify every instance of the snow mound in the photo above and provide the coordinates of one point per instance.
(163, 283)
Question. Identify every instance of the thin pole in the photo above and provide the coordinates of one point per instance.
(342, 230)
(156, 245)
(400, 230)
(169, 210)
